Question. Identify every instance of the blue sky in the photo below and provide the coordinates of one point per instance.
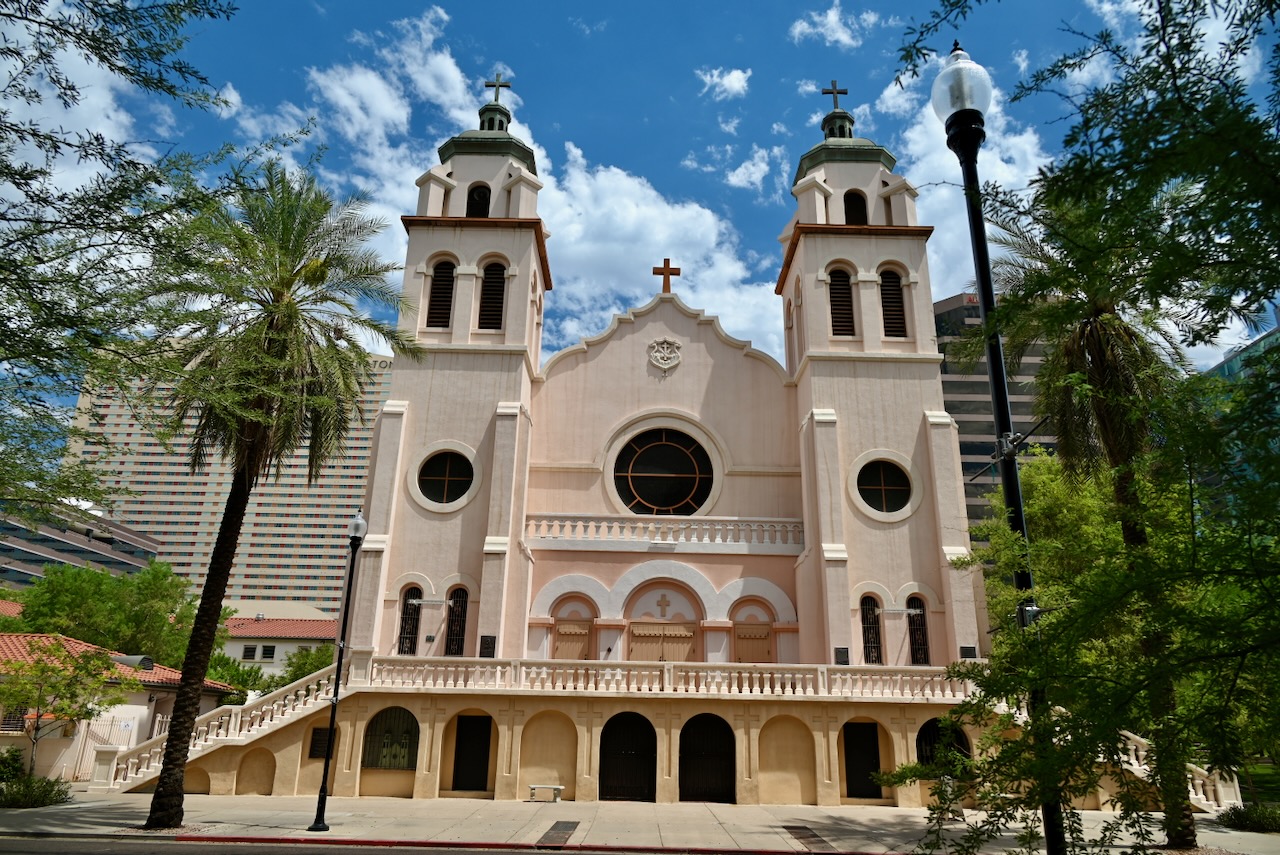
(661, 129)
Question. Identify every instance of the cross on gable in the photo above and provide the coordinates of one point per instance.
(835, 95)
(498, 84)
(666, 271)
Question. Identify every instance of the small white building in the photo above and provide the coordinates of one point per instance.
(268, 641)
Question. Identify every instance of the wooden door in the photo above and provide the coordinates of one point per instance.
(573, 639)
(753, 642)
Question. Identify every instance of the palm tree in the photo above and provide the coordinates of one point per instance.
(1075, 284)
(276, 367)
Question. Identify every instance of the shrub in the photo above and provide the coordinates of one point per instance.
(1263, 818)
(13, 764)
(30, 791)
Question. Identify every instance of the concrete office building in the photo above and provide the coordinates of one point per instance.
(294, 544)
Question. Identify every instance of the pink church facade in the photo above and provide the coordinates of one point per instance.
(662, 565)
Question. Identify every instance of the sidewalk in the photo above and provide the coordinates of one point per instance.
(581, 826)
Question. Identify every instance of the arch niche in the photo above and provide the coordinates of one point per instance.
(549, 753)
(628, 759)
(788, 768)
(257, 773)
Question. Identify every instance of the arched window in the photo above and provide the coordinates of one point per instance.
(391, 740)
(872, 648)
(410, 617)
(478, 200)
(855, 208)
(440, 298)
(892, 305)
(918, 630)
(455, 636)
(493, 288)
(840, 293)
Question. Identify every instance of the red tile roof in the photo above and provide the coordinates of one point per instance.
(302, 628)
(16, 647)
(9, 608)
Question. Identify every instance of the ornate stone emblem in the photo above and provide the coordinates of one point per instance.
(664, 353)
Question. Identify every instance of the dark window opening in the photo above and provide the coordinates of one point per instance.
(840, 293)
(440, 298)
(934, 735)
(319, 744)
(493, 290)
(892, 305)
(663, 471)
(455, 637)
(855, 208)
(884, 486)
(445, 477)
(478, 201)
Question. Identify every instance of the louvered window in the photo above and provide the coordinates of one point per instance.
(918, 630)
(492, 291)
(892, 305)
(440, 300)
(410, 614)
(840, 292)
(872, 649)
(456, 629)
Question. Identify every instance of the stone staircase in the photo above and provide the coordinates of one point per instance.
(1210, 791)
(114, 771)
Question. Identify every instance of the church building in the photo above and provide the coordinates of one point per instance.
(661, 566)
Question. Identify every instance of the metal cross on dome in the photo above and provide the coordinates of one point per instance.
(498, 84)
(835, 94)
(666, 271)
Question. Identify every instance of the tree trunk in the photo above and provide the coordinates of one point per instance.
(1169, 765)
(166, 803)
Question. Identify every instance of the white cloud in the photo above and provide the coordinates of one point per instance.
(863, 120)
(231, 102)
(902, 100)
(779, 128)
(729, 126)
(806, 87)
(750, 174)
(360, 101)
(832, 27)
(724, 84)
(586, 28)
(1020, 59)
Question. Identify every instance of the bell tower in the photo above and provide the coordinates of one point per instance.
(883, 502)
(441, 566)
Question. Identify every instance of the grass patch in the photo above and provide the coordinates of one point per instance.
(1260, 783)
(29, 791)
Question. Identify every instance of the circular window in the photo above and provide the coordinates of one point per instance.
(445, 477)
(884, 486)
(663, 471)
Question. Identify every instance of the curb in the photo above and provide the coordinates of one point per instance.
(457, 844)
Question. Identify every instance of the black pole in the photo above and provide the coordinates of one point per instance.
(965, 134)
(319, 824)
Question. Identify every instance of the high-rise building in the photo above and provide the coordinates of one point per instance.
(294, 543)
(26, 549)
(966, 390)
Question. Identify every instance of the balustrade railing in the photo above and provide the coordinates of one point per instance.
(773, 535)
(681, 678)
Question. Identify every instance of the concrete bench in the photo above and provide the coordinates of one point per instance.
(555, 789)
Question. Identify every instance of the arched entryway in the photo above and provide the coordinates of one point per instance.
(628, 759)
(708, 771)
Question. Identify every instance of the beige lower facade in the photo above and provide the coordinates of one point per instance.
(637, 731)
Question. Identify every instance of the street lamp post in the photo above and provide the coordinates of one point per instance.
(355, 531)
(961, 94)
